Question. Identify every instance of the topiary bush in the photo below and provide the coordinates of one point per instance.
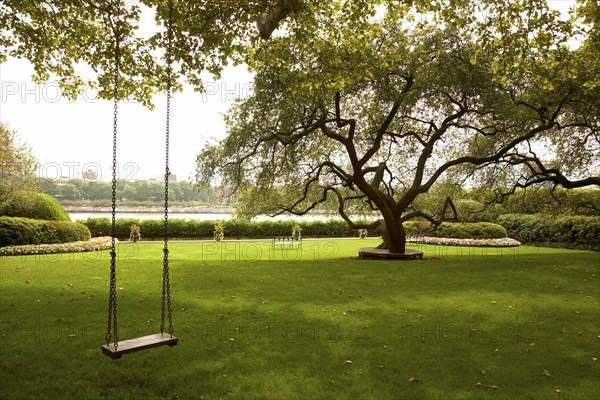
(15, 231)
(33, 205)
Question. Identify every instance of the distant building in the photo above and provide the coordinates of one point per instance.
(63, 180)
(90, 175)
(172, 178)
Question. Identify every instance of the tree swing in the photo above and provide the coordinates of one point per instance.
(116, 349)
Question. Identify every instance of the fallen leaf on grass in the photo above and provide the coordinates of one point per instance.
(414, 380)
(546, 373)
(557, 392)
(579, 333)
(594, 358)
(478, 384)
(347, 362)
(494, 387)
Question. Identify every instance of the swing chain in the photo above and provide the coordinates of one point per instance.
(112, 301)
(166, 289)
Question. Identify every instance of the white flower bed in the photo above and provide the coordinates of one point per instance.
(94, 244)
(504, 242)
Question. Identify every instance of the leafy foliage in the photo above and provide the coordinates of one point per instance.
(130, 191)
(194, 229)
(577, 232)
(479, 230)
(17, 164)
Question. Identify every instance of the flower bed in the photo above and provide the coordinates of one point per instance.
(104, 243)
(504, 242)
(94, 244)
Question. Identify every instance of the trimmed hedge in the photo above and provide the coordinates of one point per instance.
(572, 232)
(15, 231)
(33, 205)
(478, 230)
(180, 228)
(194, 229)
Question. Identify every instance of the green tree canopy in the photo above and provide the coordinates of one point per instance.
(17, 164)
(73, 41)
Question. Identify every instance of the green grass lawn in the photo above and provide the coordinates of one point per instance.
(258, 323)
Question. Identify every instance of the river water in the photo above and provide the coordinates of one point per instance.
(78, 216)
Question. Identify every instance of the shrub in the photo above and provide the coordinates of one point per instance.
(33, 205)
(576, 232)
(15, 231)
(478, 230)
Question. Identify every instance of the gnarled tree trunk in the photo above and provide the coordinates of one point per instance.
(394, 236)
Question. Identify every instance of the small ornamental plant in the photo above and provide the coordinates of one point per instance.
(219, 233)
(296, 231)
(362, 233)
(134, 233)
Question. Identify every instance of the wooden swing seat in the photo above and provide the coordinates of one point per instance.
(137, 344)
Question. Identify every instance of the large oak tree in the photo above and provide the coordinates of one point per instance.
(373, 119)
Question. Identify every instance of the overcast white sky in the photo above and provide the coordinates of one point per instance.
(70, 137)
